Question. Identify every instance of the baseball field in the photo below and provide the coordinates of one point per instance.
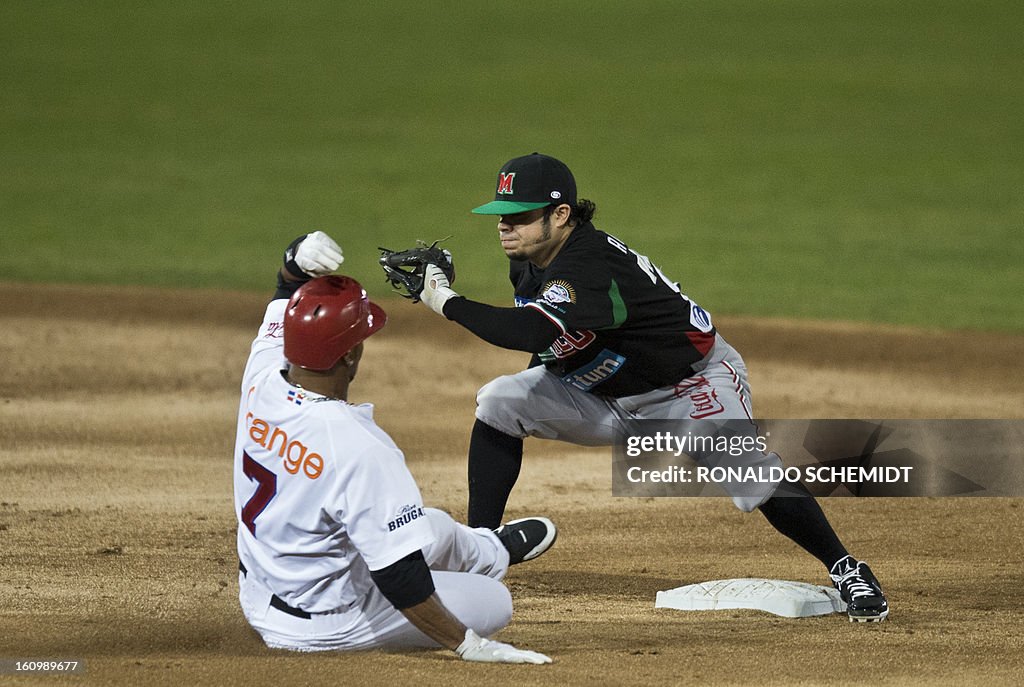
(838, 183)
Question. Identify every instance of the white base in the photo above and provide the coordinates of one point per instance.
(781, 597)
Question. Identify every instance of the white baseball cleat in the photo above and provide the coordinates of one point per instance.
(527, 538)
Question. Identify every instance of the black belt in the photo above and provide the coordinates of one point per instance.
(278, 603)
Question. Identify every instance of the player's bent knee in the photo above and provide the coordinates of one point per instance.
(479, 602)
(748, 496)
(500, 614)
(500, 404)
(747, 504)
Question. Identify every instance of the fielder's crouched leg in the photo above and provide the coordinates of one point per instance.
(537, 403)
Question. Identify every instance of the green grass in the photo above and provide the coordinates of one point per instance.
(837, 160)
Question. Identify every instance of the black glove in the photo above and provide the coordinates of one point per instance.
(404, 269)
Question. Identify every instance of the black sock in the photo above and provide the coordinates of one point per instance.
(801, 519)
(494, 462)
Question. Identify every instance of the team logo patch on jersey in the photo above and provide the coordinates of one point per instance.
(569, 344)
(700, 318)
(596, 371)
(406, 515)
(557, 291)
(297, 397)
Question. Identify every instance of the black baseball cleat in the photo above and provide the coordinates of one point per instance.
(527, 538)
(858, 587)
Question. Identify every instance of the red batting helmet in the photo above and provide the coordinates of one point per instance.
(325, 319)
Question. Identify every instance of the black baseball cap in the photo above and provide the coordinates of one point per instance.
(530, 182)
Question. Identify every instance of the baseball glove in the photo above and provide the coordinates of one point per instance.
(405, 268)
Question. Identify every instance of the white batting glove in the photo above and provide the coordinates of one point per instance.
(318, 255)
(436, 290)
(476, 648)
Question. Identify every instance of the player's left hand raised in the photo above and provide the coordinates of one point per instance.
(318, 255)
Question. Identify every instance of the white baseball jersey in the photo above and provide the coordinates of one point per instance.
(322, 494)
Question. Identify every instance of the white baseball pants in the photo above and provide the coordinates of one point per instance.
(466, 565)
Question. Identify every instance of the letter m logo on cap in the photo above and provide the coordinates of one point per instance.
(505, 183)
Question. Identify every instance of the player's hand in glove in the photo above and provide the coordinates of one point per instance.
(406, 269)
(479, 649)
(436, 289)
(317, 255)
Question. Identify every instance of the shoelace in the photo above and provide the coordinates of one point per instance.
(854, 583)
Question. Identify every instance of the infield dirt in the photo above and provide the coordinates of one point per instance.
(117, 412)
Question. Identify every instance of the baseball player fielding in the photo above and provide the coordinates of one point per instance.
(614, 340)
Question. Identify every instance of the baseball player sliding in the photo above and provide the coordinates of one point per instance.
(615, 341)
(336, 549)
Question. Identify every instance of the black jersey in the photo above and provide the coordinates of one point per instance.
(626, 329)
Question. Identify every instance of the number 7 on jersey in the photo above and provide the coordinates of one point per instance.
(266, 489)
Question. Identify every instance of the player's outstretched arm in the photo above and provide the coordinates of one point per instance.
(426, 273)
(434, 620)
